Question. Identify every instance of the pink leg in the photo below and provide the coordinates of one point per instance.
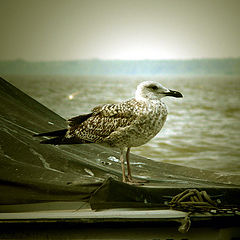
(123, 167)
(128, 165)
(130, 179)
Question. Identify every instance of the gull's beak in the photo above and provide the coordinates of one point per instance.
(172, 93)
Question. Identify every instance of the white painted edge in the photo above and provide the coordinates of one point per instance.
(89, 214)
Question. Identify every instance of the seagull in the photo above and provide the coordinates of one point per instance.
(123, 125)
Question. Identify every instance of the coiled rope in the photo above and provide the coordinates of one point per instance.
(192, 200)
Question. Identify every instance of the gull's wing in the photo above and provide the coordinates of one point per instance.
(75, 121)
(103, 121)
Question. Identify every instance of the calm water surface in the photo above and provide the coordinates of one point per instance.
(202, 129)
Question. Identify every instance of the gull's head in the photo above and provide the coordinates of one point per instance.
(150, 90)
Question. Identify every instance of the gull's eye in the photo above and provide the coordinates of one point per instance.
(153, 87)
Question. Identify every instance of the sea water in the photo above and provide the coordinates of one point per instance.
(202, 129)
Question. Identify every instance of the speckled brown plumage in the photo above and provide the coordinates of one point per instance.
(126, 124)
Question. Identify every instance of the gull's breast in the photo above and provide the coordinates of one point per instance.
(149, 125)
(150, 120)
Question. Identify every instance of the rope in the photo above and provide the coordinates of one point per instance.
(191, 200)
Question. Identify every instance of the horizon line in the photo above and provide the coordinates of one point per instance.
(116, 59)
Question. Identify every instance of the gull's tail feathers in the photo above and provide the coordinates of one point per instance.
(54, 141)
(59, 138)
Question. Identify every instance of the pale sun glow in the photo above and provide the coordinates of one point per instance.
(138, 53)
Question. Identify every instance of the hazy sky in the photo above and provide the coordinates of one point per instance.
(119, 29)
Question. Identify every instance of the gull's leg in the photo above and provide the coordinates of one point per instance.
(130, 179)
(128, 165)
(122, 163)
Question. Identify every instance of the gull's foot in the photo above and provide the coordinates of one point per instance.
(136, 181)
(132, 182)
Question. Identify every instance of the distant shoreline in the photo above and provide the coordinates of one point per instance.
(209, 66)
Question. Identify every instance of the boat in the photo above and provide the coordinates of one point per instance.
(75, 191)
